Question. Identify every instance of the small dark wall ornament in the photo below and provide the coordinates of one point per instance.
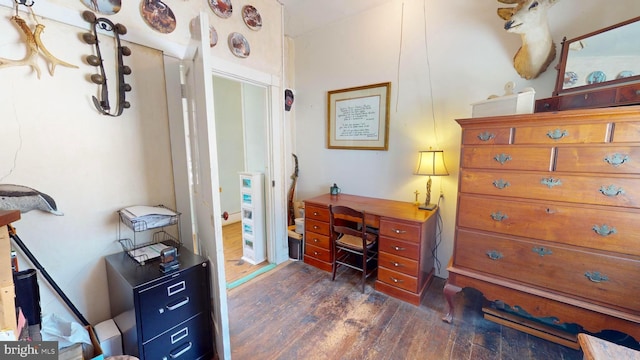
(91, 38)
(288, 99)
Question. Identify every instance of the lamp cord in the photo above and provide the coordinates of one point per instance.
(434, 251)
(399, 56)
(426, 48)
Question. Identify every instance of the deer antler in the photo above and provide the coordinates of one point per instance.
(52, 59)
(32, 48)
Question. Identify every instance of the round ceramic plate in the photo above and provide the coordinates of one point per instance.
(570, 78)
(106, 7)
(158, 16)
(624, 74)
(596, 77)
(213, 36)
(239, 45)
(251, 17)
(222, 8)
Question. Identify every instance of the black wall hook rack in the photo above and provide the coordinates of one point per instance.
(28, 3)
(91, 38)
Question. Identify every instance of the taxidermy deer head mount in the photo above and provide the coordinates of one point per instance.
(529, 19)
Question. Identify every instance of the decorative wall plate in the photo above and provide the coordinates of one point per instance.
(213, 36)
(222, 8)
(106, 7)
(158, 16)
(570, 78)
(624, 74)
(251, 17)
(596, 77)
(239, 45)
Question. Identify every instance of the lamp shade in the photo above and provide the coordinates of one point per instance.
(431, 162)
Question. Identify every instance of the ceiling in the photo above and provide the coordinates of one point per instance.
(301, 16)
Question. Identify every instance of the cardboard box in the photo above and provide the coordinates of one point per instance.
(109, 337)
(97, 350)
(521, 103)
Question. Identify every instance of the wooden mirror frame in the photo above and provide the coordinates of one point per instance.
(566, 44)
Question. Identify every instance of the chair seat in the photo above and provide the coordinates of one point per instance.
(353, 242)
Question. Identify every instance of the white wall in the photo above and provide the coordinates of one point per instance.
(469, 58)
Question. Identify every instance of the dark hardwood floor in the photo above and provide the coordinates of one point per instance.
(297, 312)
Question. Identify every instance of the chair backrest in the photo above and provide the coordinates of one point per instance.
(345, 220)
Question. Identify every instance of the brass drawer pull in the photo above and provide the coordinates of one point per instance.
(316, 240)
(616, 159)
(502, 158)
(398, 248)
(315, 213)
(604, 230)
(494, 255)
(316, 253)
(316, 227)
(396, 264)
(557, 134)
(501, 184)
(499, 216)
(486, 136)
(542, 251)
(398, 231)
(611, 190)
(596, 277)
(396, 280)
(551, 182)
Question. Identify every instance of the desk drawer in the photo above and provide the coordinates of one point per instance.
(591, 275)
(397, 279)
(318, 253)
(405, 249)
(398, 263)
(400, 230)
(312, 212)
(507, 157)
(318, 227)
(171, 302)
(315, 239)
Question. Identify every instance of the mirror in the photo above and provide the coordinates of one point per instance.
(605, 57)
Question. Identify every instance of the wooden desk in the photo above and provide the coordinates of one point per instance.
(406, 241)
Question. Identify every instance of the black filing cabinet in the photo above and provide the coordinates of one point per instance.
(162, 316)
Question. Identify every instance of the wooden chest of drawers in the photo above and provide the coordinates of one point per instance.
(548, 217)
(406, 241)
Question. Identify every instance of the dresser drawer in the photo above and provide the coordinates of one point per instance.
(507, 157)
(397, 279)
(602, 190)
(590, 275)
(321, 241)
(400, 230)
(613, 230)
(488, 136)
(319, 253)
(600, 98)
(562, 134)
(398, 263)
(171, 302)
(626, 132)
(405, 249)
(629, 94)
(316, 213)
(600, 159)
(317, 227)
(187, 340)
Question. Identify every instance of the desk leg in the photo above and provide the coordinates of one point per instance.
(450, 291)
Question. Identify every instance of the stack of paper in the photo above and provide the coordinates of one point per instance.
(148, 217)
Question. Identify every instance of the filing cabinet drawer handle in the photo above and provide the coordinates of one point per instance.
(557, 134)
(397, 281)
(499, 216)
(486, 136)
(542, 251)
(501, 184)
(179, 335)
(176, 288)
(494, 255)
(399, 231)
(178, 304)
(604, 230)
(398, 248)
(596, 277)
(181, 350)
(551, 182)
(502, 158)
(611, 190)
(616, 159)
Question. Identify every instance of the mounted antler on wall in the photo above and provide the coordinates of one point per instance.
(529, 19)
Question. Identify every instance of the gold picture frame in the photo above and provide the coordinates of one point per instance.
(358, 117)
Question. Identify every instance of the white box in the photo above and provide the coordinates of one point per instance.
(109, 337)
(521, 103)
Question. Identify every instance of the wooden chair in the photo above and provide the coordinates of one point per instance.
(353, 244)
